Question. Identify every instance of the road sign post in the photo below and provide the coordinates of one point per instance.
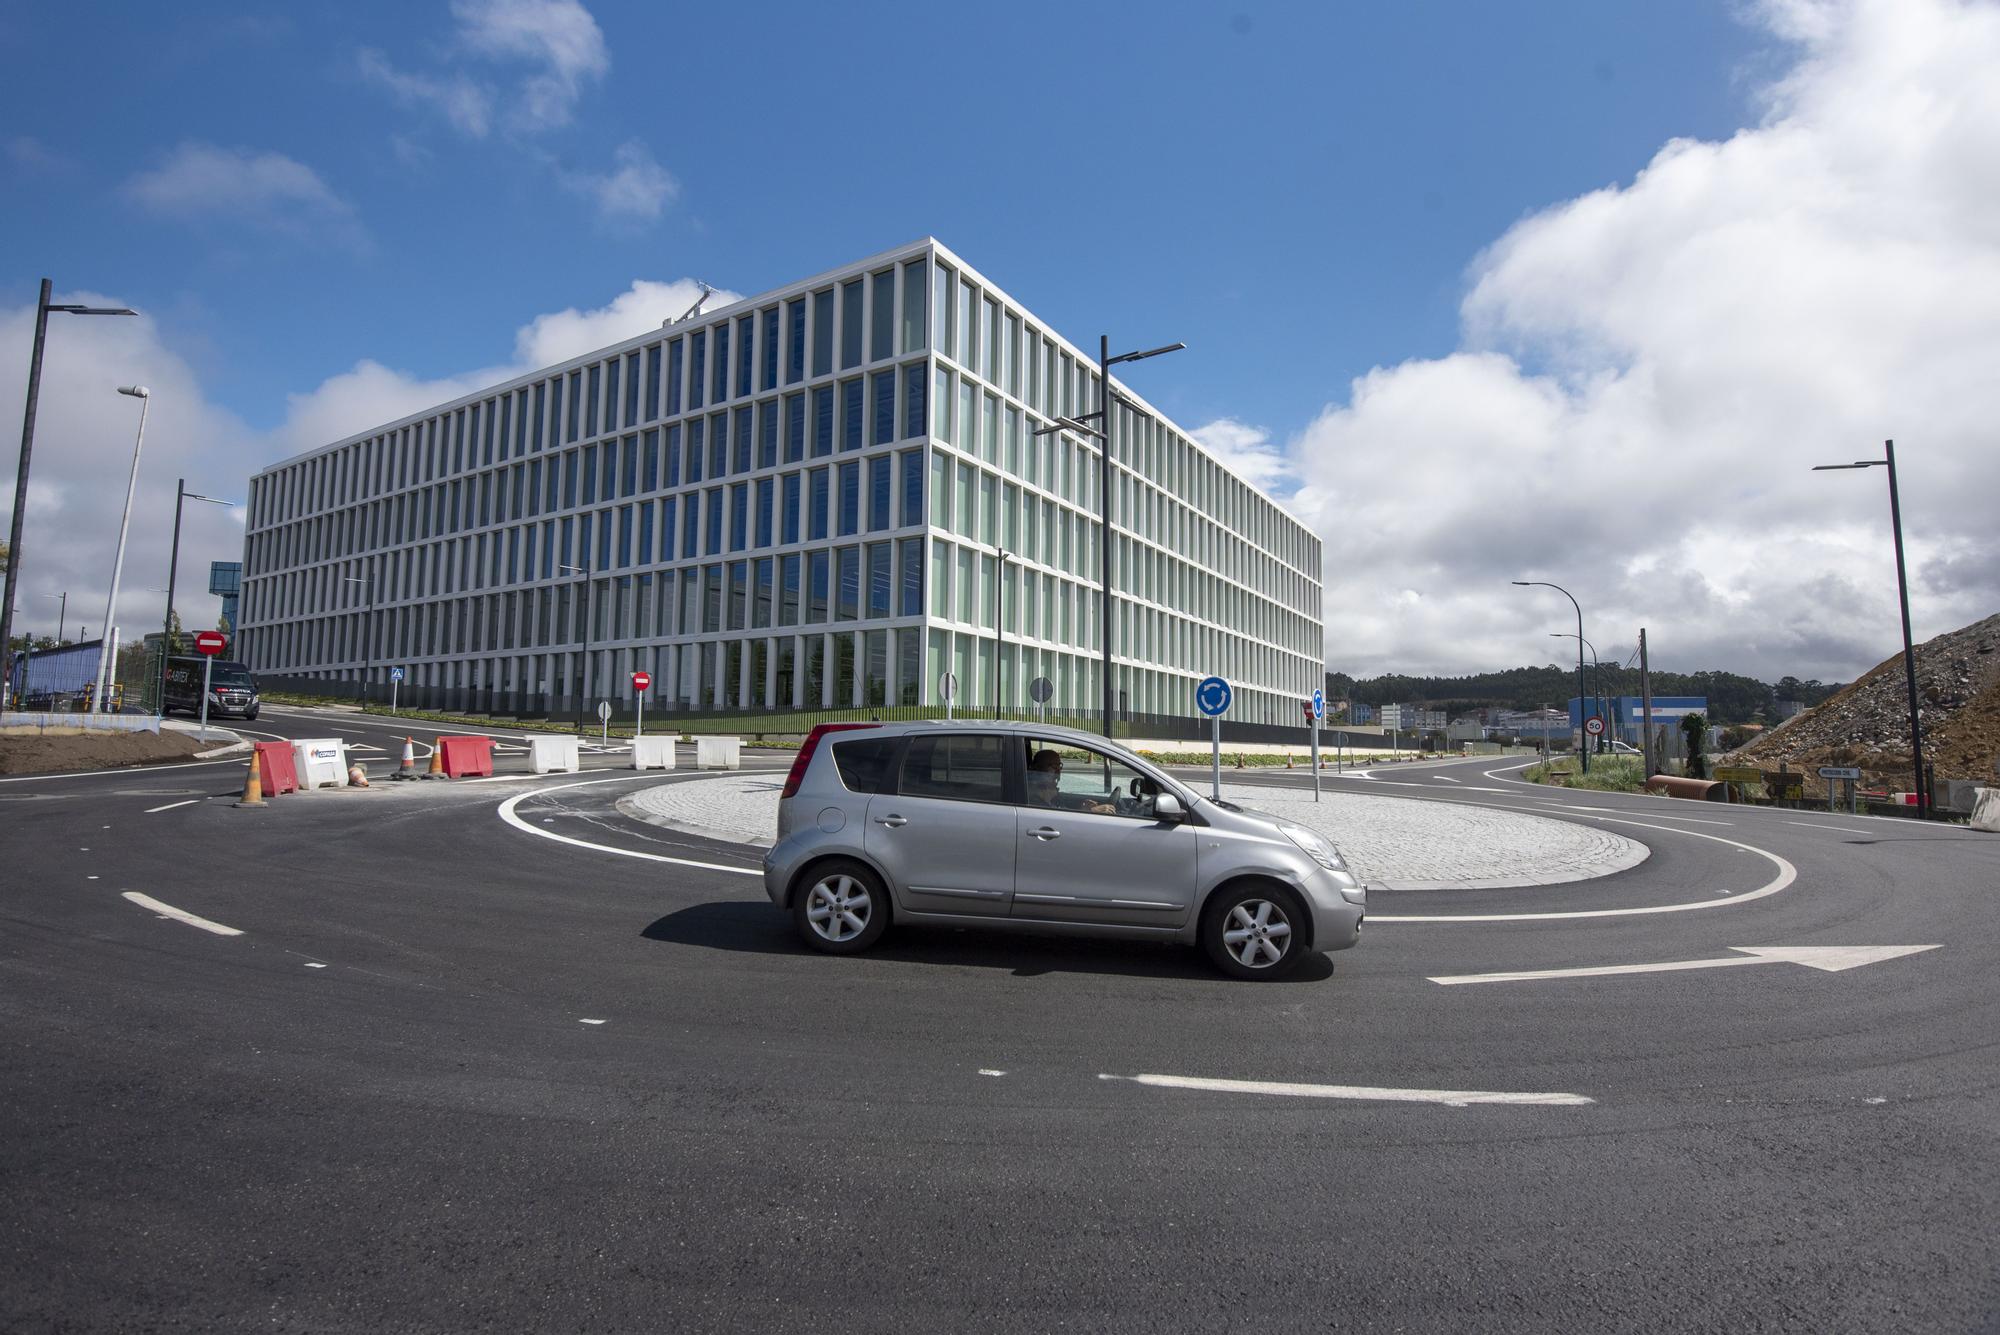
(208, 644)
(1846, 775)
(948, 688)
(604, 721)
(395, 685)
(640, 682)
(1039, 690)
(1212, 698)
(1318, 712)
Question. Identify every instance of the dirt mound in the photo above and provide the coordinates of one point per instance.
(1868, 724)
(60, 752)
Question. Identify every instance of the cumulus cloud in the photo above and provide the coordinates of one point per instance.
(205, 182)
(559, 41)
(1648, 373)
(636, 189)
(85, 429)
(1250, 451)
(467, 105)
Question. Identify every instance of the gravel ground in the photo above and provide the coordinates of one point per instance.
(59, 753)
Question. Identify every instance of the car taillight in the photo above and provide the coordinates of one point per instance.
(805, 755)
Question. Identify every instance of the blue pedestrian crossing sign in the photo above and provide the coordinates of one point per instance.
(1212, 697)
(395, 674)
(1319, 705)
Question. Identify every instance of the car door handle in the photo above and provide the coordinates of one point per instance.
(1046, 833)
(893, 822)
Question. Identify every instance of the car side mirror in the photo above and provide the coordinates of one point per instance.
(1168, 807)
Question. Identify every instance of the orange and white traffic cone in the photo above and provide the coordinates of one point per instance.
(436, 771)
(1288, 760)
(357, 777)
(253, 783)
(408, 769)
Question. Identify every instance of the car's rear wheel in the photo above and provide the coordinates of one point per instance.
(843, 909)
(1254, 931)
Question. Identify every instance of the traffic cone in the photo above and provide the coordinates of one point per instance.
(253, 783)
(357, 777)
(436, 771)
(408, 769)
(1288, 760)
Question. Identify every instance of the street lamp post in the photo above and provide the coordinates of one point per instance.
(1102, 431)
(103, 700)
(62, 614)
(1582, 750)
(367, 632)
(181, 493)
(1596, 681)
(42, 309)
(583, 687)
(1888, 460)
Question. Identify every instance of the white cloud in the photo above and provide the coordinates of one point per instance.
(557, 38)
(268, 190)
(636, 190)
(1250, 451)
(464, 103)
(1649, 371)
(84, 432)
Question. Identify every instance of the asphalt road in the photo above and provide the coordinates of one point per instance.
(455, 1076)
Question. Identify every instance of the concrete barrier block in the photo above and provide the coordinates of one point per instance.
(653, 753)
(553, 755)
(718, 753)
(320, 762)
(1986, 810)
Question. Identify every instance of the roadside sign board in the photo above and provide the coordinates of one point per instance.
(209, 642)
(948, 686)
(1594, 726)
(642, 681)
(1307, 706)
(395, 674)
(1041, 690)
(1212, 697)
(1838, 772)
(1319, 704)
(1738, 774)
(604, 710)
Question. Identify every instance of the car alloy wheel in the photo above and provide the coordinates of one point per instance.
(1257, 933)
(1254, 931)
(843, 909)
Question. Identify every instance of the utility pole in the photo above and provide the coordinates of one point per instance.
(1646, 706)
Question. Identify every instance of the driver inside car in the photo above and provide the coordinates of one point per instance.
(1044, 790)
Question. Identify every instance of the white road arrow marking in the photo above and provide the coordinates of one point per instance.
(1827, 959)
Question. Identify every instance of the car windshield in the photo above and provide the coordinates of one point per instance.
(233, 675)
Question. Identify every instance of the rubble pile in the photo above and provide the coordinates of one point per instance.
(1868, 724)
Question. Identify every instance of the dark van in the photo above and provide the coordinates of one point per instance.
(232, 691)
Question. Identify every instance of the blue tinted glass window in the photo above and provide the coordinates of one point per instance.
(883, 386)
(646, 533)
(690, 526)
(697, 366)
(575, 400)
(916, 318)
(880, 493)
(741, 431)
(745, 328)
(631, 389)
(628, 473)
(590, 427)
(795, 341)
(850, 415)
(624, 535)
(816, 588)
(535, 420)
(696, 438)
(611, 376)
(589, 465)
(767, 433)
(849, 606)
(913, 577)
(816, 507)
(823, 332)
(712, 507)
(850, 324)
(879, 584)
(718, 445)
(795, 428)
(672, 477)
(915, 387)
(739, 587)
(882, 317)
(822, 421)
(667, 508)
(652, 382)
(739, 517)
(721, 390)
(674, 359)
(604, 540)
(788, 591)
(764, 490)
(850, 499)
(767, 354)
(649, 476)
(789, 526)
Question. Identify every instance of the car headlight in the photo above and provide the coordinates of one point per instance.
(1316, 846)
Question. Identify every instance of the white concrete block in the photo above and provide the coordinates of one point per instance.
(718, 753)
(553, 755)
(1986, 810)
(653, 752)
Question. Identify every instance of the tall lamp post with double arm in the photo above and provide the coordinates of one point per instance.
(1080, 424)
(1888, 461)
(1581, 692)
(181, 494)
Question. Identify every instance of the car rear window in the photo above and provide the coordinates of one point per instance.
(967, 769)
(862, 761)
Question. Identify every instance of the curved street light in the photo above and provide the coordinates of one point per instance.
(1581, 692)
(102, 699)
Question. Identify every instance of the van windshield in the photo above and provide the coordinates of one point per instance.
(232, 675)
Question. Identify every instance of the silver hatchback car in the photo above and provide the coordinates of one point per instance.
(1023, 826)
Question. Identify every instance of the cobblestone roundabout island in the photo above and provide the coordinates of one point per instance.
(1393, 843)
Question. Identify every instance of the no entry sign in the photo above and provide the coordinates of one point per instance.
(210, 642)
(641, 680)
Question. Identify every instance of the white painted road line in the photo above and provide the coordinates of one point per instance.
(1446, 778)
(179, 915)
(171, 805)
(1450, 1098)
(1827, 959)
(506, 810)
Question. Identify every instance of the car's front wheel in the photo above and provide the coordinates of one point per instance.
(1254, 931)
(843, 909)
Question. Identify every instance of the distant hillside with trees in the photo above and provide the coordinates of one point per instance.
(1732, 698)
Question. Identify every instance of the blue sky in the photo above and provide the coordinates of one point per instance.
(1399, 239)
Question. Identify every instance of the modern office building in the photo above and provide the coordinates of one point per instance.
(825, 496)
